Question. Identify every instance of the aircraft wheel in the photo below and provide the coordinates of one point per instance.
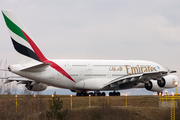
(91, 93)
(99, 94)
(114, 93)
(103, 94)
(78, 94)
(84, 94)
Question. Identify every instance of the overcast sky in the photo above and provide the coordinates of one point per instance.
(99, 29)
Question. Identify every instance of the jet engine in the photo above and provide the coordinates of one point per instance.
(153, 86)
(34, 86)
(169, 81)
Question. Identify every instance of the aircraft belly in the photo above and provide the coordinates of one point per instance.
(122, 86)
(128, 85)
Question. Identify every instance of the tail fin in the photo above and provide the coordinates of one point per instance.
(26, 49)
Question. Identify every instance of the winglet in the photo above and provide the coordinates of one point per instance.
(171, 71)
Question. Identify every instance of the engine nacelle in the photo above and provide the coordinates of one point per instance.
(153, 86)
(169, 81)
(36, 86)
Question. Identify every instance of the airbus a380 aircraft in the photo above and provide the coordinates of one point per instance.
(80, 76)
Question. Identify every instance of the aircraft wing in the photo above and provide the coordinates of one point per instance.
(18, 79)
(29, 84)
(140, 77)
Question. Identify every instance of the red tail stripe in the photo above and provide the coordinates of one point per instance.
(35, 48)
(59, 69)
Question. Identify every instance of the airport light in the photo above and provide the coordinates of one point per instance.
(155, 94)
(166, 95)
(126, 100)
(16, 102)
(52, 100)
(34, 103)
(159, 94)
(107, 99)
(176, 84)
(71, 101)
(89, 100)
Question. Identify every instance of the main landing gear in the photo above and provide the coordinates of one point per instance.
(91, 93)
(114, 93)
(98, 93)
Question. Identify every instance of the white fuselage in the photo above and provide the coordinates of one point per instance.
(88, 74)
(80, 75)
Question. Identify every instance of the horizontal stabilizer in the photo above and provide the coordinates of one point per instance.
(3, 69)
(35, 67)
(15, 78)
(18, 79)
(8, 81)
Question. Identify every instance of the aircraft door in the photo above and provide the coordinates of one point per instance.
(90, 66)
(69, 66)
(81, 75)
(81, 82)
(59, 77)
(108, 75)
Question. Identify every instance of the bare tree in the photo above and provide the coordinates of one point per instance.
(6, 88)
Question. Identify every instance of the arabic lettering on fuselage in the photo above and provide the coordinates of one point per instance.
(115, 68)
